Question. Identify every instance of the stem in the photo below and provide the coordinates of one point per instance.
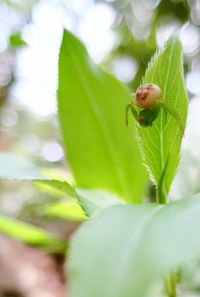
(133, 111)
(170, 284)
(161, 197)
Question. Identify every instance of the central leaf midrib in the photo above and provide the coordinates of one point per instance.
(161, 115)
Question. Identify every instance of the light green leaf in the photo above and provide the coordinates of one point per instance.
(127, 249)
(161, 142)
(94, 201)
(91, 201)
(65, 209)
(91, 105)
(88, 202)
(15, 167)
(18, 168)
(59, 185)
(31, 234)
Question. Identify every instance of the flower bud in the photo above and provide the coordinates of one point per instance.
(147, 95)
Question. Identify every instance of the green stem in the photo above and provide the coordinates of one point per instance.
(161, 195)
(170, 284)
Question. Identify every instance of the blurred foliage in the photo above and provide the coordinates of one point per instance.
(16, 40)
(137, 24)
(140, 27)
(142, 48)
(31, 234)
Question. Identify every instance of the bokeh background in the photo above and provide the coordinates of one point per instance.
(121, 36)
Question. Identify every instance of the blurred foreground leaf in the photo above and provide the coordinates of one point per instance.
(94, 201)
(31, 235)
(127, 249)
(18, 168)
(91, 105)
(65, 209)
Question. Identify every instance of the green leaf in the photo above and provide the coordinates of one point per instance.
(161, 143)
(31, 235)
(126, 250)
(65, 209)
(16, 40)
(59, 185)
(91, 201)
(88, 202)
(94, 201)
(91, 105)
(15, 167)
(18, 168)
